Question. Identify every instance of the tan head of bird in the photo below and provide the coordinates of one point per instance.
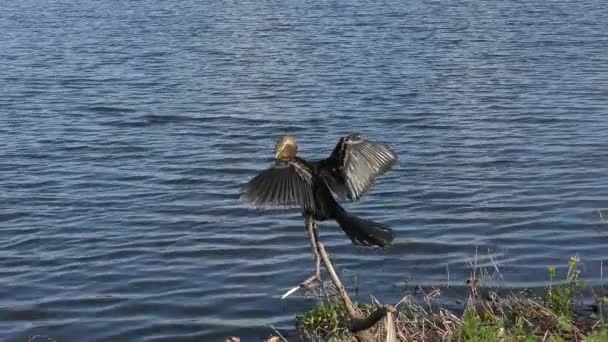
(286, 148)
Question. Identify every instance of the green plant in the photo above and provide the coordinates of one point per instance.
(560, 299)
(473, 329)
(329, 321)
(555, 338)
(602, 303)
(325, 320)
(521, 335)
(597, 336)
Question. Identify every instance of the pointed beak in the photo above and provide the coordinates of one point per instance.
(276, 155)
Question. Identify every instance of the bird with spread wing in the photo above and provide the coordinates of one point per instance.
(316, 186)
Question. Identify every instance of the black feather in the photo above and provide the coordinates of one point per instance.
(354, 165)
(285, 185)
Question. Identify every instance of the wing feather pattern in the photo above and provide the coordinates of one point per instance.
(354, 165)
(283, 186)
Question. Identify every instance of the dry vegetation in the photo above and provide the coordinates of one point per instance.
(551, 316)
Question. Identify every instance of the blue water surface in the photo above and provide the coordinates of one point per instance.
(127, 127)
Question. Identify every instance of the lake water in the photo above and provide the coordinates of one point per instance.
(127, 128)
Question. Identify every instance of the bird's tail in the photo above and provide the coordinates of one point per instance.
(364, 232)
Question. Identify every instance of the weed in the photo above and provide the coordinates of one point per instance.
(560, 299)
(598, 336)
(473, 329)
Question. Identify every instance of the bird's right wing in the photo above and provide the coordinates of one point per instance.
(354, 165)
(285, 185)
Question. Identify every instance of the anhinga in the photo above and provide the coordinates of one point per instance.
(315, 186)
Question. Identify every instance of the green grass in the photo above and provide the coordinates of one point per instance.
(328, 320)
(473, 328)
(598, 336)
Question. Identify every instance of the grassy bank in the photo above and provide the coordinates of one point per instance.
(552, 315)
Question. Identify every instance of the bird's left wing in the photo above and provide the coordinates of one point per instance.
(285, 185)
(354, 164)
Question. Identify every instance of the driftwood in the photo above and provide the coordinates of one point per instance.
(359, 325)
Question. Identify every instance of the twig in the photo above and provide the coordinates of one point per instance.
(545, 336)
(32, 338)
(313, 237)
(336, 280)
(305, 283)
(601, 301)
(278, 333)
(391, 330)
(447, 267)
(495, 264)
